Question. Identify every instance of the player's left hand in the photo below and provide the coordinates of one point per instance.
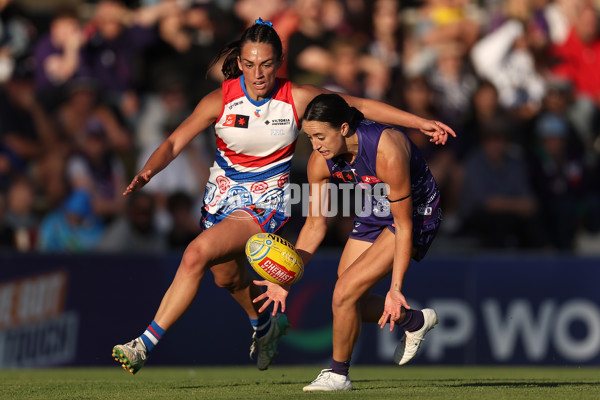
(437, 131)
(275, 294)
(392, 311)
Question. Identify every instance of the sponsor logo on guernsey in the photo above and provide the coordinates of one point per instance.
(237, 103)
(257, 112)
(346, 176)
(279, 121)
(236, 120)
(276, 270)
(370, 179)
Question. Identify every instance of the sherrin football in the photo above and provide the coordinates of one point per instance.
(274, 258)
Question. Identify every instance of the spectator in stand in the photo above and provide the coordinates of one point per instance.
(49, 179)
(386, 45)
(20, 214)
(26, 130)
(16, 34)
(309, 59)
(386, 41)
(498, 206)
(453, 82)
(72, 228)
(345, 75)
(504, 58)
(577, 60)
(579, 56)
(485, 109)
(184, 226)
(83, 105)
(188, 36)
(10, 166)
(559, 101)
(7, 234)
(135, 231)
(94, 168)
(558, 175)
(57, 56)
(116, 36)
(437, 22)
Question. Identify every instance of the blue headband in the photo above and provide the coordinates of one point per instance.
(261, 22)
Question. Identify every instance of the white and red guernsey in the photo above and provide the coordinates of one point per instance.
(255, 144)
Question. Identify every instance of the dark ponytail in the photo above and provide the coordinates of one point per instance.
(231, 52)
(260, 32)
(333, 109)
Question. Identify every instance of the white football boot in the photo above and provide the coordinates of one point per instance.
(409, 344)
(132, 355)
(266, 346)
(327, 381)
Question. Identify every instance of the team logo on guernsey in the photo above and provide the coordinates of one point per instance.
(223, 183)
(236, 120)
(283, 180)
(259, 187)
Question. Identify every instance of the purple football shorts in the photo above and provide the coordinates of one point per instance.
(423, 233)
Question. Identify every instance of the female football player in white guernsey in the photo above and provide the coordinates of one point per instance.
(256, 122)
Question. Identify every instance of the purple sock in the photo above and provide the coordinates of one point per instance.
(340, 367)
(413, 320)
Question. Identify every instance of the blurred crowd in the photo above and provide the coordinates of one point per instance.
(88, 89)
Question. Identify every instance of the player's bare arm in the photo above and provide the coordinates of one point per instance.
(315, 226)
(377, 111)
(393, 168)
(311, 235)
(205, 113)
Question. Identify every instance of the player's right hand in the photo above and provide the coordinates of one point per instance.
(138, 182)
(275, 294)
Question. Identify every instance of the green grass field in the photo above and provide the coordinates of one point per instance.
(285, 382)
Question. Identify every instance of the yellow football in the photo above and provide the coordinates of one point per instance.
(274, 258)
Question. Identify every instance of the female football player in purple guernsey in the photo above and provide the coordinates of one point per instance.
(393, 227)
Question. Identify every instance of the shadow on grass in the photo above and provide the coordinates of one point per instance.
(525, 384)
(399, 383)
(242, 384)
(454, 383)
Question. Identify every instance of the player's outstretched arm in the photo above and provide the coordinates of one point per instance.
(378, 111)
(393, 168)
(387, 114)
(205, 113)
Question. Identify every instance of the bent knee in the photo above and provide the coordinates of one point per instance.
(342, 298)
(231, 279)
(195, 259)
